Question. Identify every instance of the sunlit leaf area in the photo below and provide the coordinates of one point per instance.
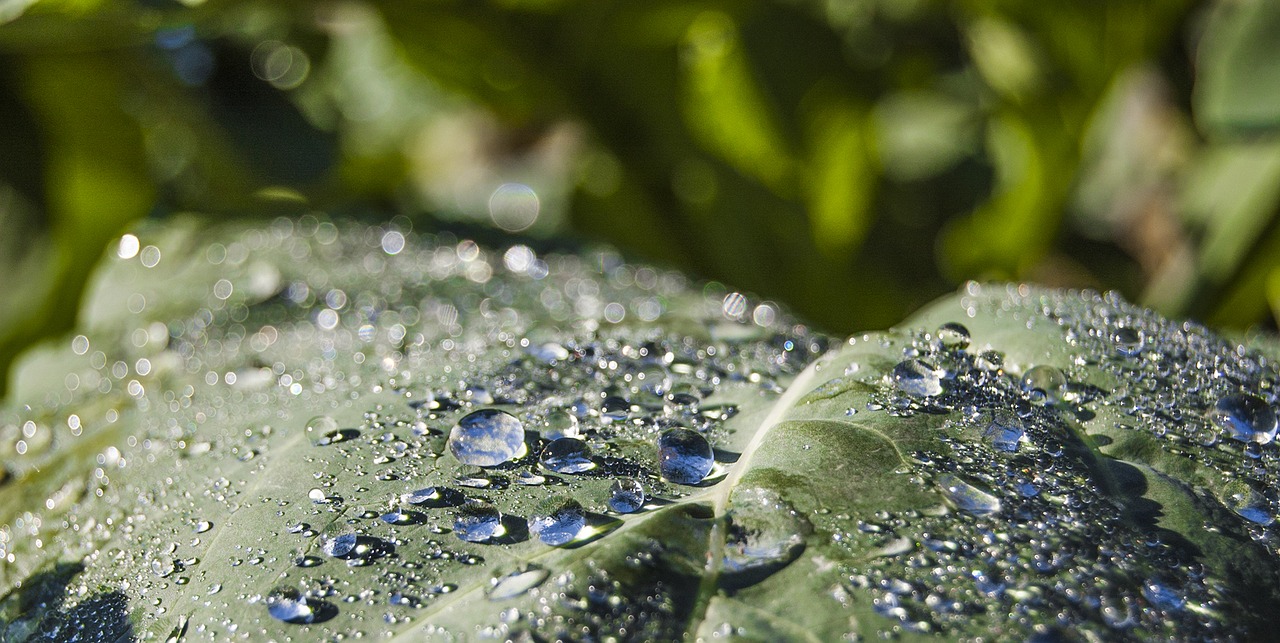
(550, 320)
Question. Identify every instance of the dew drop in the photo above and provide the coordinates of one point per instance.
(567, 455)
(286, 604)
(420, 496)
(203, 526)
(557, 520)
(1003, 429)
(967, 497)
(626, 495)
(916, 378)
(1128, 340)
(549, 352)
(477, 521)
(486, 438)
(953, 335)
(684, 456)
(340, 545)
(517, 583)
(1245, 417)
(1044, 383)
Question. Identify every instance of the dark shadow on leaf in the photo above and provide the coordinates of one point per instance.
(516, 530)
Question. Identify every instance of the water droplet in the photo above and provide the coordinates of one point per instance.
(1241, 498)
(549, 352)
(1003, 429)
(684, 456)
(764, 534)
(615, 409)
(321, 424)
(420, 496)
(396, 517)
(1245, 417)
(626, 495)
(486, 438)
(559, 423)
(340, 545)
(1044, 383)
(203, 526)
(967, 497)
(287, 605)
(529, 479)
(517, 583)
(477, 521)
(1128, 340)
(567, 455)
(953, 335)
(1159, 593)
(557, 520)
(916, 378)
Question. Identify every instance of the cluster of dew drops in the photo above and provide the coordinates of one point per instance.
(640, 413)
(507, 397)
(646, 430)
(1031, 542)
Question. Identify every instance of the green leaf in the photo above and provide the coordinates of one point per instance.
(228, 411)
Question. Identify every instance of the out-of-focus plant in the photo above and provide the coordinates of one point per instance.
(853, 159)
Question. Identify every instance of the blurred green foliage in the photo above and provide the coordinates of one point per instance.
(851, 158)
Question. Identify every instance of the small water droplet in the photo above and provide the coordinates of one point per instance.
(557, 520)
(1245, 417)
(477, 521)
(626, 495)
(916, 378)
(486, 438)
(203, 526)
(684, 456)
(567, 455)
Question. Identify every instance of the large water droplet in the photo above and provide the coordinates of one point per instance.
(916, 378)
(1239, 496)
(486, 438)
(764, 534)
(1128, 340)
(340, 545)
(287, 605)
(953, 335)
(560, 423)
(567, 455)
(420, 496)
(626, 495)
(517, 583)
(967, 497)
(684, 456)
(477, 521)
(557, 520)
(1245, 417)
(1045, 383)
(1003, 429)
